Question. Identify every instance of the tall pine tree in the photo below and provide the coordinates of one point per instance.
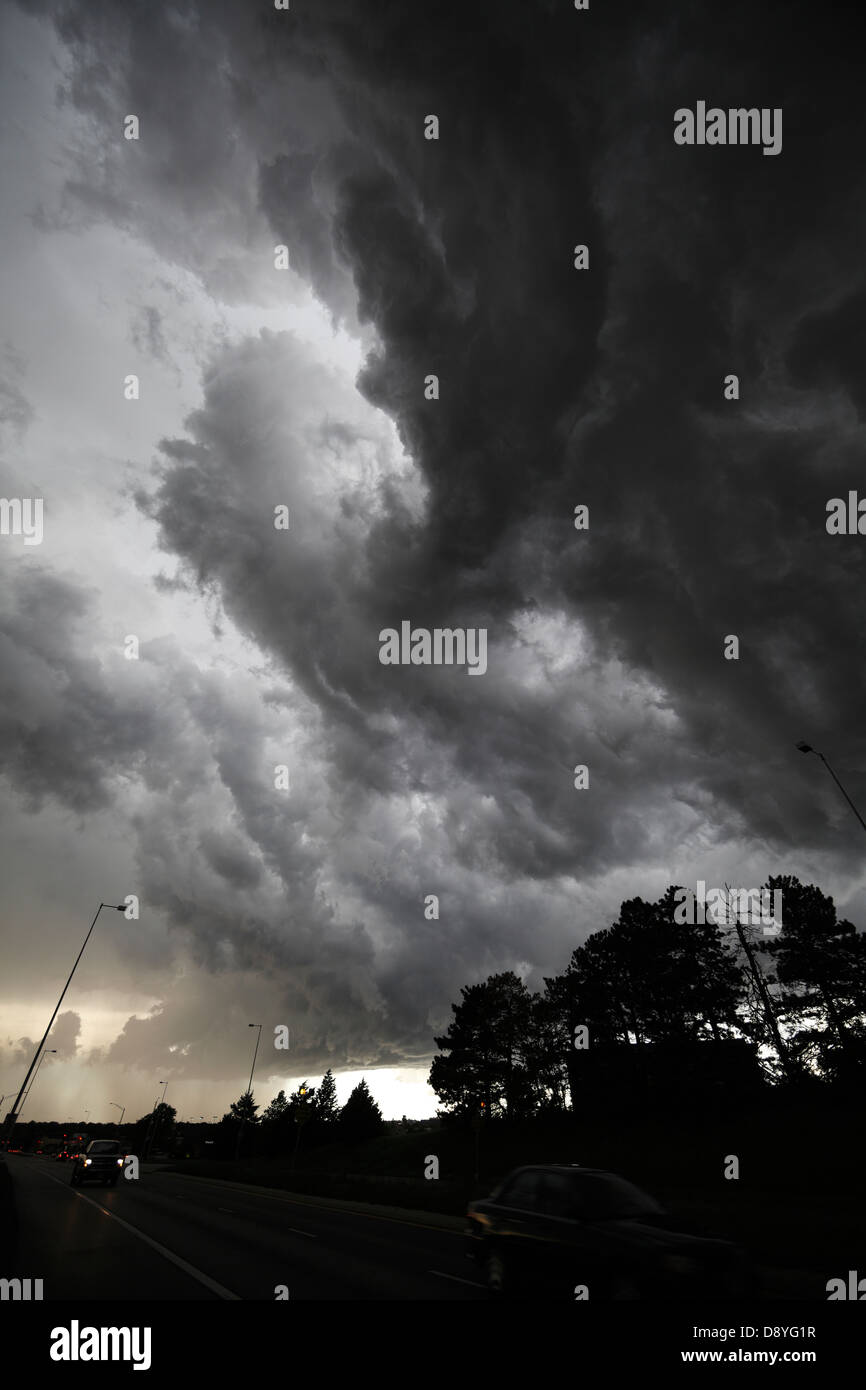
(327, 1110)
(360, 1117)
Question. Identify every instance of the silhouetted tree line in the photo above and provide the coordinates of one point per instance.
(652, 1008)
(290, 1125)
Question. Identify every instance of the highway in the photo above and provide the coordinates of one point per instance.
(172, 1237)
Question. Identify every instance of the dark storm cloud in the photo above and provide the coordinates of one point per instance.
(557, 387)
(63, 732)
(16, 412)
(230, 860)
(215, 850)
(211, 97)
(64, 1036)
(705, 521)
(604, 387)
(63, 1039)
(16, 1053)
(296, 191)
(318, 596)
(147, 335)
(829, 349)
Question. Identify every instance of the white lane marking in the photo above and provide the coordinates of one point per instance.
(293, 1229)
(274, 1196)
(295, 1232)
(457, 1280)
(219, 1289)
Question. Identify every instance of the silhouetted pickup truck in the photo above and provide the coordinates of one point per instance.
(101, 1161)
(578, 1233)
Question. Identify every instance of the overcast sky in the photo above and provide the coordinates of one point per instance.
(304, 387)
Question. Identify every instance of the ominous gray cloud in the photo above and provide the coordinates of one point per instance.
(16, 412)
(62, 733)
(558, 387)
(62, 1040)
(63, 1037)
(147, 334)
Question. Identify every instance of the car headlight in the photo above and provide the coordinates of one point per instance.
(87, 1162)
(120, 1163)
(680, 1264)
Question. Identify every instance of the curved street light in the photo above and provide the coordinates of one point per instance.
(807, 748)
(13, 1113)
(156, 1118)
(250, 1087)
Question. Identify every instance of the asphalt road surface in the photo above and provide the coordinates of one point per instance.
(169, 1236)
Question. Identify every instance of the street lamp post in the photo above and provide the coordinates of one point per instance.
(13, 1113)
(249, 1088)
(121, 1108)
(149, 1134)
(807, 748)
(156, 1117)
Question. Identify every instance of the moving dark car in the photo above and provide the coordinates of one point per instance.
(577, 1233)
(101, 1161)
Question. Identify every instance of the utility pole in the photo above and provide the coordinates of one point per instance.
(764, 995)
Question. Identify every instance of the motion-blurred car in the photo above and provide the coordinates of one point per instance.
(101, 1161)
(555, 1231)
